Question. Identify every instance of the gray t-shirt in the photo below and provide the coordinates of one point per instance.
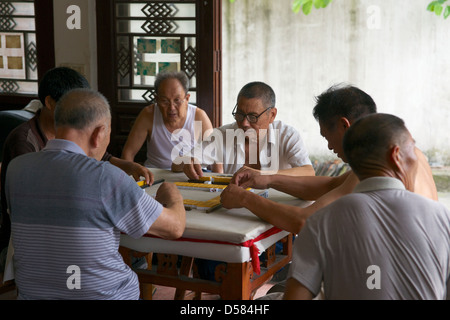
(381, 242)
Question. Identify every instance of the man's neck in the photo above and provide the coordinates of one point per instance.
(250, 157)
(47, 124)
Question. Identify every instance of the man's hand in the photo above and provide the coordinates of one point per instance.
(247, 177)
(168, 195)
(138, 171)
(134, 169)
(232, 196)
(193, 170)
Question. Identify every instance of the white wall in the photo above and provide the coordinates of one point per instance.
(403, 62)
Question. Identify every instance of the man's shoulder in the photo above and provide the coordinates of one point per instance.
(228, 126)
(21, 140)
(286, 130)
(19, 133)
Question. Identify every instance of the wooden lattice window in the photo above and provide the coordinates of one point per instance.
(152, 37)
(139, 39)
(27, 49)
(18, 55)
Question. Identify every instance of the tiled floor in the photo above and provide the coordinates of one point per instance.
(161, 293)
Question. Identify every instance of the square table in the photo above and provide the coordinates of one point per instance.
(235, 237)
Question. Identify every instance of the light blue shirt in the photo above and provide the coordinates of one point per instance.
(68, 210)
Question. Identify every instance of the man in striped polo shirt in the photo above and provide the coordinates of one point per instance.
(68, 209)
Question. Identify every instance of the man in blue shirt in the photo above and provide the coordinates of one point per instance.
(68, 209)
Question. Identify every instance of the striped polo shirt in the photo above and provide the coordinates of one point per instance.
(67, 213)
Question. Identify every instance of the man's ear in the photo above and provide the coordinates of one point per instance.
(395, 158)
(50, 103)
(97, 136)
(273, 114)
(344, 123)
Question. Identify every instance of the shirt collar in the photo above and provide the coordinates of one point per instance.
(271, 137)
(378, 183)
(66, 145)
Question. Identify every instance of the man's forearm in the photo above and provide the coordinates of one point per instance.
(306, 188)
(307, 170)
(283, 216)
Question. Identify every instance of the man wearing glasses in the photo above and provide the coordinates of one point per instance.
(255, 140)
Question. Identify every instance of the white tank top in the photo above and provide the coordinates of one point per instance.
(163, 145)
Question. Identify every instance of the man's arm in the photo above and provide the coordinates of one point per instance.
(134, 169)
(306, 170)
(302, 187)
(289, 218)
(296, 291)
(310, 188)
(138, 134)
(172, 221)
(424, 184)
(286, 217)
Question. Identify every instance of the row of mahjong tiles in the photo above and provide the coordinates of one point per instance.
(208, 185)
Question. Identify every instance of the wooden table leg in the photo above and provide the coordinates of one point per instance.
(185, 270)
(236, 283)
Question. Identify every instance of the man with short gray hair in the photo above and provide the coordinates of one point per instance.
(382, 241)
(68, 209)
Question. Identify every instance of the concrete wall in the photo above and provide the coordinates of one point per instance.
(395, 50)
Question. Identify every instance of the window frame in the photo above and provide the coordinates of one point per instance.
(45, 47)
(209, 67)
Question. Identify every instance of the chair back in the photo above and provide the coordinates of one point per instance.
(9, 120)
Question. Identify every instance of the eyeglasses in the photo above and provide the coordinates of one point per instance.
(239, 117)
(165, 103)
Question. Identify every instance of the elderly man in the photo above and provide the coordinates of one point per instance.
(381, 241)
(33, 135)
(68, 209)
(255, 140)
(336, 110)
(164, 124)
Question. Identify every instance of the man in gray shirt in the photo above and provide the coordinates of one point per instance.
(381, 241)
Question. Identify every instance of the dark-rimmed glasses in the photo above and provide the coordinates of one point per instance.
(239, 117)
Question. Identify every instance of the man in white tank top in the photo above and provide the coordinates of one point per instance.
(167, 125)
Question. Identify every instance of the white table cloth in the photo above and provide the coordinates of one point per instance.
(232, 236)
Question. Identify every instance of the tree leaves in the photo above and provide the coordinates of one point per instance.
(307, 5)
(438, 7)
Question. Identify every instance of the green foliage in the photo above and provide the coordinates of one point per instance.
(307, 5)
(438, 7)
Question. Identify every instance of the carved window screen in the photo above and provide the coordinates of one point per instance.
(152, 37)
(18, 54)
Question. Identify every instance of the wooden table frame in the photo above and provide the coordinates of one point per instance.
(234, 281)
